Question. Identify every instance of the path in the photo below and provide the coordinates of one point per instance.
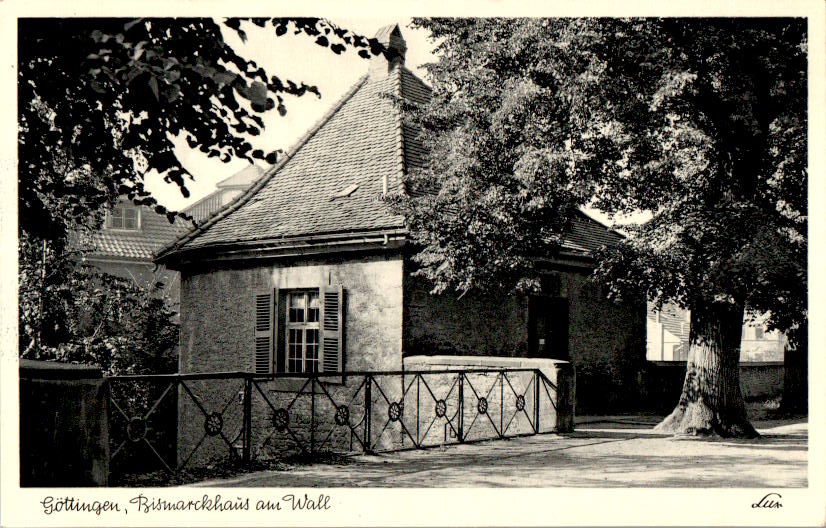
(605, 452)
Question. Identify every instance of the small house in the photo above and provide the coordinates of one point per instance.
(309, 270)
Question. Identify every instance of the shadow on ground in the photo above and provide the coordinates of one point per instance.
(598, 454)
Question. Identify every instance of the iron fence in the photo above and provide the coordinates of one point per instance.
(170, 422)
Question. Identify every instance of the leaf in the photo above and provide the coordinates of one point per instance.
(153, 85)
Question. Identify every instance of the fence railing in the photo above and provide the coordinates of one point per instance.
(175, 421)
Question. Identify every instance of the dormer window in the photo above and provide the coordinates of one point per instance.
(124, 216)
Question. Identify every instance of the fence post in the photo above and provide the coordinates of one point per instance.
(368, 409)
(247, 420)
(461, 413)
(312, 415)
(418, 380)
(501, 404)
(536, 400)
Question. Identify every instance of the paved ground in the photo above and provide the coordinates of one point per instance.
(602, 452)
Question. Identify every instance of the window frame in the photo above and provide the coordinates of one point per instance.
(305, 327)
(123, 208)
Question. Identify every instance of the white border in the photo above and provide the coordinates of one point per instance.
(353, 507)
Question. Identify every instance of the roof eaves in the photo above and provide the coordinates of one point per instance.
(244, 197)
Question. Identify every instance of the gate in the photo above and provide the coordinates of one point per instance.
(174, 421)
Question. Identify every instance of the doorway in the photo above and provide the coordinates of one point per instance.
(548, 327)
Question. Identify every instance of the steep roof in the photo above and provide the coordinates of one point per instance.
(155, 232)
(331, 181)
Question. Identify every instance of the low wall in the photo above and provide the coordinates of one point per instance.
(662, 382)
(560, 409)
(64, 433)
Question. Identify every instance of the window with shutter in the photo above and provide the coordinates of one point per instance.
(264, 338)
(332, 323)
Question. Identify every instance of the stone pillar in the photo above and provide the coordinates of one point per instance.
(566, 396)
(64, 431)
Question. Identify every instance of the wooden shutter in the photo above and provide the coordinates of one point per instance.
(332, 329)
(264, 334)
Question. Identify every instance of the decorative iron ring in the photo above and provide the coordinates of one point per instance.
(213, 424)
(520, 402)
(394, 412)
(342, 415)
(136, 429)
(281, 419)
(441, 408)
(482, 406)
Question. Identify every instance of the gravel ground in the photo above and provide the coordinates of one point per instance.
(607, 451)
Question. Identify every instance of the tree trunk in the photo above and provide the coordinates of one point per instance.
(711, 401)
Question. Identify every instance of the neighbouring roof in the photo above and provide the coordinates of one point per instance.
(213, 202)
(330, 183)
(155, 232)
(243, 178)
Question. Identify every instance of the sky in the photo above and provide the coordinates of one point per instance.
(298, 58)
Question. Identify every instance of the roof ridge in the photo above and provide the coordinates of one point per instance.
(400, 129)
(244, 197)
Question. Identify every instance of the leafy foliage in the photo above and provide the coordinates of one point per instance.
(699, 123)
(82, 315)
(513, 135)
(101, 100)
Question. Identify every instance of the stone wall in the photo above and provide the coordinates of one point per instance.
(471, 326)
(662, 383)
(606, 341)
(217, 323)
(502, 390)
(607, 348)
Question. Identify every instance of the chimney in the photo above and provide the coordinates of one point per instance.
(395, 47)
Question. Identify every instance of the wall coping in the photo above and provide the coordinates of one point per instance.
(482, 361)
(742, 364)
(34, 369)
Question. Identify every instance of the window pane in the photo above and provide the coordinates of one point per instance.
(294, 355)
(130, 218)
(116, 217)
(297, 304)
(312, 350)
(312, 313)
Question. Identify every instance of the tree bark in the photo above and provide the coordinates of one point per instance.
(711, 401)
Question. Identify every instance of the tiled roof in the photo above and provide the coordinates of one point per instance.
(155, 233)
(359, 142)
(588, 235)
(331, 181)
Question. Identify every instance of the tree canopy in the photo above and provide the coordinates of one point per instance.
(100, 101)
(699, 122)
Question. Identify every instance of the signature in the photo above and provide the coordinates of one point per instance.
(770, 500)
